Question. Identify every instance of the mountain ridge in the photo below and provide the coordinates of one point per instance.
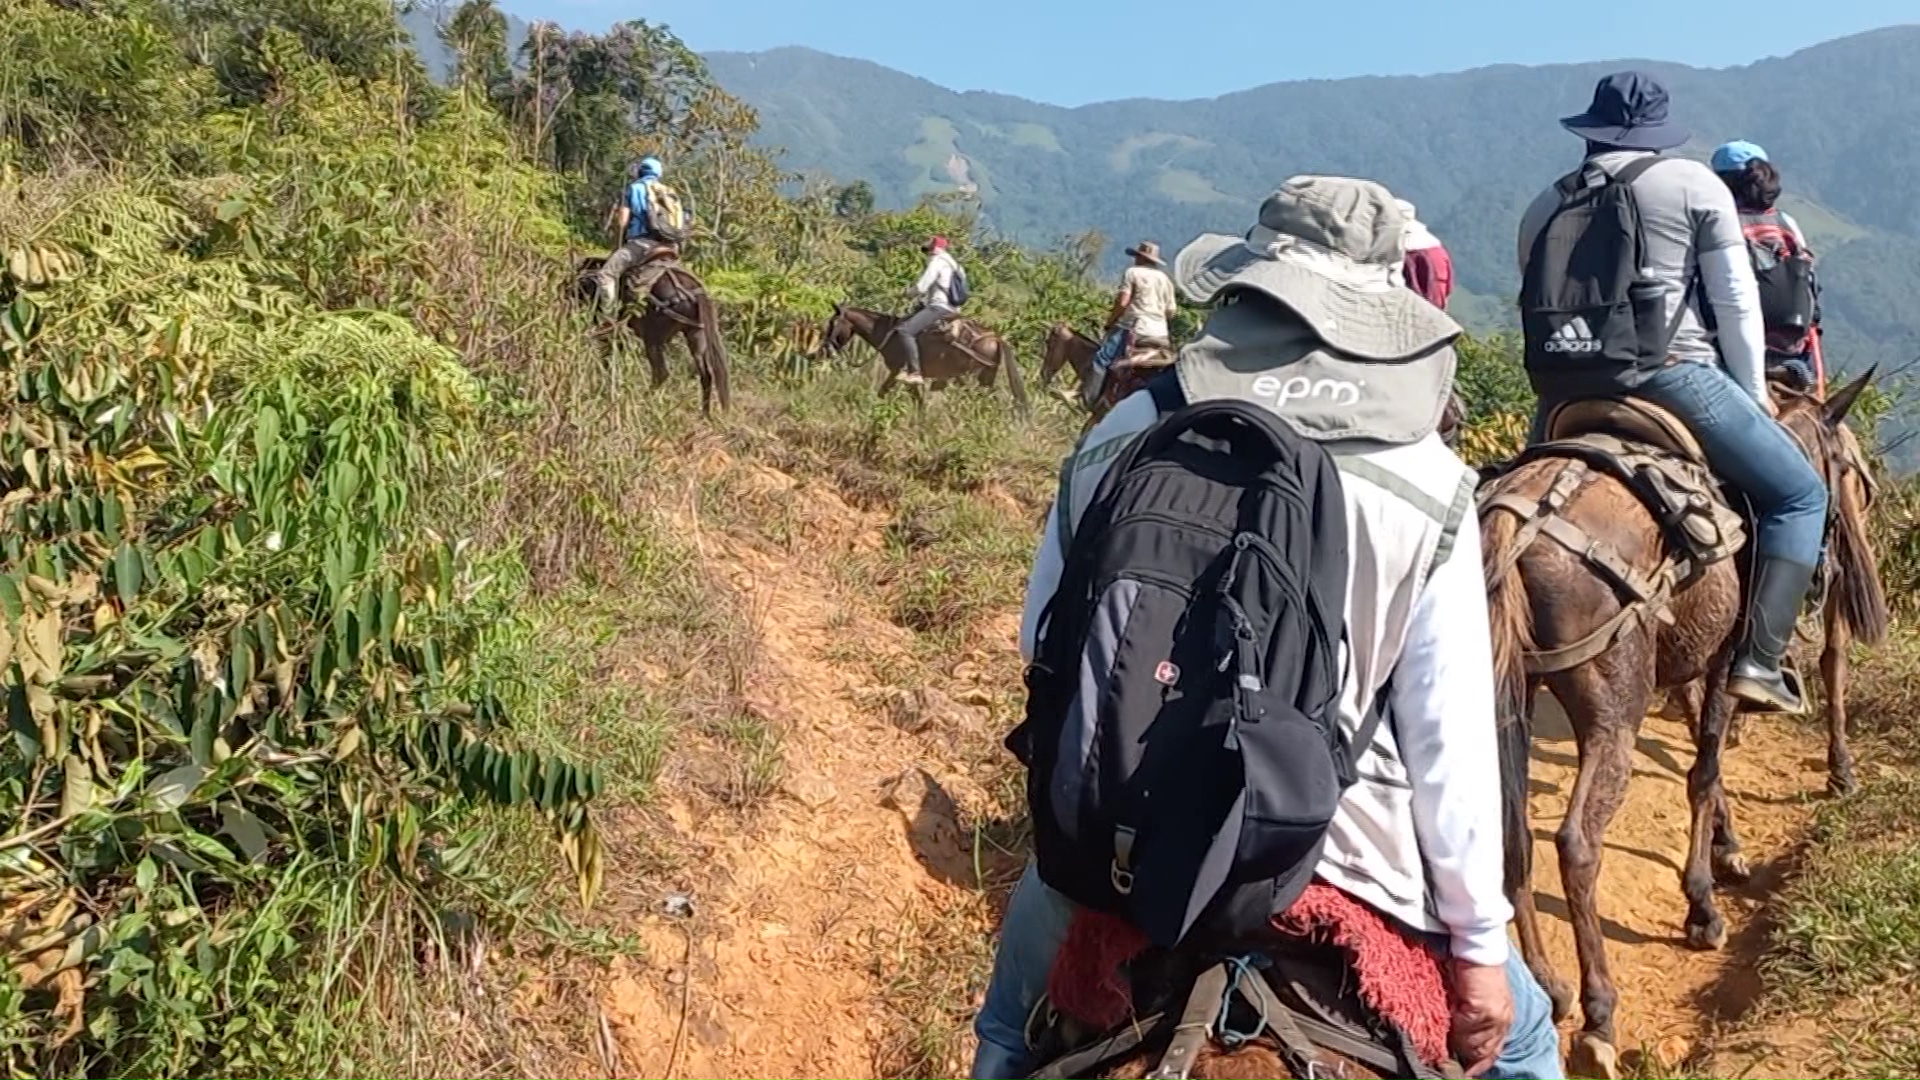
(1470, 148)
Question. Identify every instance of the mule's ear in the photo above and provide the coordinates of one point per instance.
(1842, 402)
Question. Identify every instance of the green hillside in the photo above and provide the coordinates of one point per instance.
(1470, 149)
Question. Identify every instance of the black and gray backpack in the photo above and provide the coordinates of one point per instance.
(1182, 739)
(1587, 300)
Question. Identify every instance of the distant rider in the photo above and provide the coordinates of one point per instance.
(1782, 262)
(633, 225)
(935, 293)
(1428, 268)
(1139, 320)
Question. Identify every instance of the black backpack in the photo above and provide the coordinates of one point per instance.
(1182, 739)
(1586, 300)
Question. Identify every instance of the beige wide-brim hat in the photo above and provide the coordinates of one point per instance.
(1328, 248)
(1147, 250)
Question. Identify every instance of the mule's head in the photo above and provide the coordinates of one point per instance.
(1053, 354)
(584, 289)
(1819, 425)
(837, 333)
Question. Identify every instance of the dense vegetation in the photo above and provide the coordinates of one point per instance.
(321, 503)
(289, 378)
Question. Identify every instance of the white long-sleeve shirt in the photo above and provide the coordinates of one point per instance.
(1419, 837)
(935, 287)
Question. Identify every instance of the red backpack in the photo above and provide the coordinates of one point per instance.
(1783, 268)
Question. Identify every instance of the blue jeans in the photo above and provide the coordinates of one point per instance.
(1113, 348)
(1036, 925)
(1745, 447)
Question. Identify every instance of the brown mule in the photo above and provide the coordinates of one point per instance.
(960, 349)
(675, 304)
(1066, 347)
(1617, 607)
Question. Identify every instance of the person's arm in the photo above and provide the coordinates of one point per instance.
(1444, 719)
(1726, 276)
(928, 279)
(1120, 302)
(621, 215)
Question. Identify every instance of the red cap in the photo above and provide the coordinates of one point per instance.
(938, 243)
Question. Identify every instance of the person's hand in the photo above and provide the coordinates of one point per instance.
(1482, 1014)
(1768, 406)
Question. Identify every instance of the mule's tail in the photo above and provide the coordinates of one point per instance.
(713, 347)
(1510, 618)
(1015, 383)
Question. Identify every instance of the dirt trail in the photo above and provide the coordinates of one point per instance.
(1670, 996)
(795, 916)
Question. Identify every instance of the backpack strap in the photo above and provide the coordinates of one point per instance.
(1168, 395)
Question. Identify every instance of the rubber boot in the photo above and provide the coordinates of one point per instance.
(910, 372)
(1779, 589)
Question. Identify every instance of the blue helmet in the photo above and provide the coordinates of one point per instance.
(647, 166)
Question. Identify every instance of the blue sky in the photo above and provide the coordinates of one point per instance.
(1069, 52)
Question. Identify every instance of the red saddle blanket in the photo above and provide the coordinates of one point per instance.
(1399, 976)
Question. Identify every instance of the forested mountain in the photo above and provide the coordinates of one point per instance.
(1469, 149)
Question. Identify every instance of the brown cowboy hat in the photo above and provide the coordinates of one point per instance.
(1147, 250)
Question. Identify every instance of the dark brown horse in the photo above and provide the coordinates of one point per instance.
(677, 304)
(1549, 597)
(962, 349)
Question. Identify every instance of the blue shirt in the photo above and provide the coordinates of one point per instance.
(637, 207)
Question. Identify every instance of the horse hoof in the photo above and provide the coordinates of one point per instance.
(1841, 783)
(1707, 937)
(1732, 869)
(1594, 1058)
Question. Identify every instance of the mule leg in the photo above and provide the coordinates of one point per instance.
(1833, 680)
(1606, 708)
(1705, 928)
(702, 367)
(1516, 747)
(656, 340)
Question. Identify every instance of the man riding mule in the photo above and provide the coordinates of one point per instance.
(1139, 339)
(1610, 550)
(1260, 701)
(650, 223)
(959, 349)
(1622, 318)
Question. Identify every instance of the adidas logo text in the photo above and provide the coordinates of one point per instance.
(1573, 337)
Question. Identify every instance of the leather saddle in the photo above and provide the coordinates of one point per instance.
(1630, 418)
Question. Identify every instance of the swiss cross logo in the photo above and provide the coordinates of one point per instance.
(1168, 673)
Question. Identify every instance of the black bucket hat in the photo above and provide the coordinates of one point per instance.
(1629, 111)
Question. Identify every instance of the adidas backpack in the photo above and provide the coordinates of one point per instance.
(1182, 741)
(1586, 299)
(1784, 271)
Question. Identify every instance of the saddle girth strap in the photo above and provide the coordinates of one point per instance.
(1196, 1024)
(1301, 1036)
